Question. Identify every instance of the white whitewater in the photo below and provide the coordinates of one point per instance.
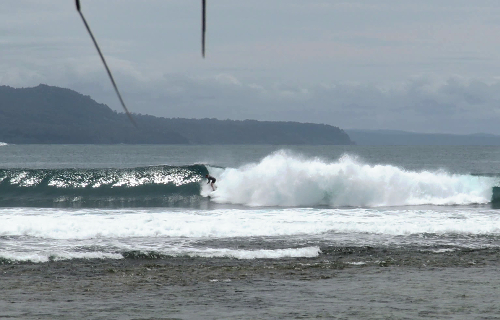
(42, 234)
(284, 179)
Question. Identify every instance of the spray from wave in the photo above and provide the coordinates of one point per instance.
(284, 179)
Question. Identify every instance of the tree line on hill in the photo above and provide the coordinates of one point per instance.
(53, 115)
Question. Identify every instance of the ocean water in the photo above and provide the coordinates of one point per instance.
(283, 219)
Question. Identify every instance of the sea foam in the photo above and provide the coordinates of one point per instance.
(43, 234)
(56, 254)
(180, 226)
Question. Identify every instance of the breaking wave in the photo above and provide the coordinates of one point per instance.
(281, 179)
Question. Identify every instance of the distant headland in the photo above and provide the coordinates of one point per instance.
(52, 115)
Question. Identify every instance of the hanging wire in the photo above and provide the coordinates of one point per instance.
(203, 32)
(203, 25)
(105, 64)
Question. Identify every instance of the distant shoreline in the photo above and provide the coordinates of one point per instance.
(52, 115)
(394, 137)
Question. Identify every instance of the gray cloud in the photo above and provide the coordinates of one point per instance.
(424, 103)
(424, 66)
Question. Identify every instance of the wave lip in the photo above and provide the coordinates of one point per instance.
(284, 179)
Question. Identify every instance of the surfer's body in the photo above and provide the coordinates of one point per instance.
(211, 180)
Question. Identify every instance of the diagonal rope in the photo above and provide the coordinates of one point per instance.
(203, 25)
(105, 64)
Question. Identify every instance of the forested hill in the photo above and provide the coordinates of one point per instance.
(46, 114)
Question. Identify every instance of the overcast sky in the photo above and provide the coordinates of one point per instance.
(423, 66)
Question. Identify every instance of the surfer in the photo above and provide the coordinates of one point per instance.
(211, 180)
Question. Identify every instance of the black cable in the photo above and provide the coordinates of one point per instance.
(203, 25)
(105, 64)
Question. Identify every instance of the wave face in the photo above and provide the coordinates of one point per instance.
(284, 179)
(135, 187)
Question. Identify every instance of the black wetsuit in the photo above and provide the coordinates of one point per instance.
(211, 179)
